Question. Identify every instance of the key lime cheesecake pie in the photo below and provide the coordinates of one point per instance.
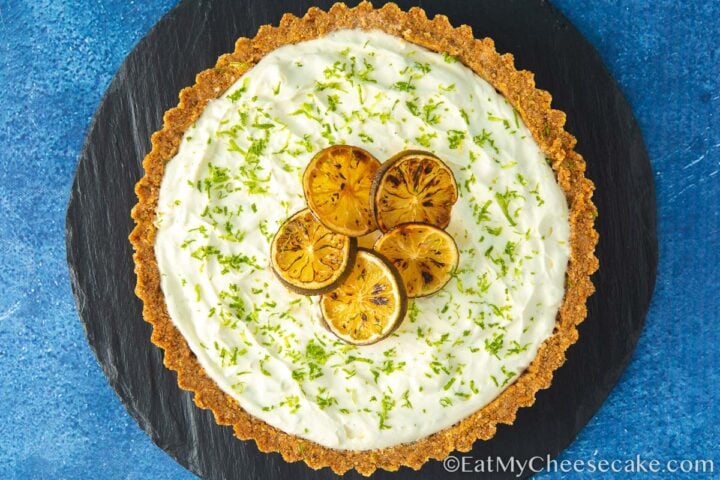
(364, 239)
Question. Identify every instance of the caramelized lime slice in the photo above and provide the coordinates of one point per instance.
(425, 256)
(337, 185)
(413, 186)
(369, 305)
(308, 257)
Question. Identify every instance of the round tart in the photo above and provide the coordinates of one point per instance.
(226, 172)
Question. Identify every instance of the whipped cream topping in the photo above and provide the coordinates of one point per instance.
(237, 177)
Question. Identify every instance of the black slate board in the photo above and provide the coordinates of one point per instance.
(188, 40)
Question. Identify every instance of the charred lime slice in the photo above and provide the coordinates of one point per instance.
(337, 185)
(308, 257)
(369, 305)
(413, 186)
(425, 256)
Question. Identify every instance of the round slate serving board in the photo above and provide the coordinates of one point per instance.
(188, 40)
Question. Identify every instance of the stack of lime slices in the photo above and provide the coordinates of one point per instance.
(364, 292)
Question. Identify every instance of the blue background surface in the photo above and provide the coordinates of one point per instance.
(60, 419)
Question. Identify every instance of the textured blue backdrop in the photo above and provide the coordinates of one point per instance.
(60, 419)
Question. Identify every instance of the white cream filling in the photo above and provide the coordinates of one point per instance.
(237, 177)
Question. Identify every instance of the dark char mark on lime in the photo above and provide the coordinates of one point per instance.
(379, 300)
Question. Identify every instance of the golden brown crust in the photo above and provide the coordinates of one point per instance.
(546, 126)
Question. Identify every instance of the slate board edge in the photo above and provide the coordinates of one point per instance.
(70, 230)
